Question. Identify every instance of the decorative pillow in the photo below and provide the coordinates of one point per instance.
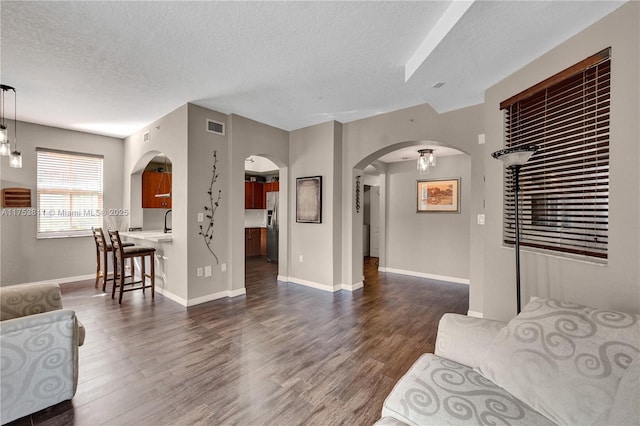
(564, 360)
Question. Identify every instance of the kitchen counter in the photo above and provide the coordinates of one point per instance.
(157, 236)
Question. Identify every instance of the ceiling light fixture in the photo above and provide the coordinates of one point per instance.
(5, 144)
(15, 159)
(427, 159)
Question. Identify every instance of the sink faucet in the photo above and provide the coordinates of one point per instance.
(166, 229)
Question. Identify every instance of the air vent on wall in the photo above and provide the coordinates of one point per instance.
(215, 127)
(145, 137)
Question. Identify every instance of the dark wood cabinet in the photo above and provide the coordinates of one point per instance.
(263, 241)
(156, 183)
(253, 245)
(269, 187)
(254, 195)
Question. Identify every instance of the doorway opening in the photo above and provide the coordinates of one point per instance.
(395, 229)
(261, 220)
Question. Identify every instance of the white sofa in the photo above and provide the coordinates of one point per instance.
(38, 349)
(555, 363)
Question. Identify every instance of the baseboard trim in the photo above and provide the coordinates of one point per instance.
(166, 293)
(202, 299)
(282, 278)
(429, 276)
(236, 293)
(352, 287)
(64, 280)
(312, 284)
(475, 314)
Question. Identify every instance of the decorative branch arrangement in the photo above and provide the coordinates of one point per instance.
(358, 194)
(207, 234)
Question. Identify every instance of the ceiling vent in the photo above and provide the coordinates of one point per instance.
(145, 137)
(215, 127)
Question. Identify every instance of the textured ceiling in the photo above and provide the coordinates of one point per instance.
(113, 67)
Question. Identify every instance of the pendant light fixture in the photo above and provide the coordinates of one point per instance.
(426, 160)
(15, 160)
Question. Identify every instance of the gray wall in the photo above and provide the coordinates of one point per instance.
(312, 152)
(248, 137)
(167, 135)
(368, 139)
(615, 285)
(428, 243)
(201, 145)
(25, 258)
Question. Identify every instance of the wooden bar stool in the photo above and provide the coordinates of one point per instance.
(102, 248)
(120, 254)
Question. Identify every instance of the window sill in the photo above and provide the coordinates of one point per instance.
(64, 235)
(563, 256)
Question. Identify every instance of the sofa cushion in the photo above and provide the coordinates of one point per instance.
(438, 391)
(564, 360)
(465, 339)
(28, 299)
(626, 407)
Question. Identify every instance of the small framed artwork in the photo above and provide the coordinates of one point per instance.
(439, 195)
(309, 199)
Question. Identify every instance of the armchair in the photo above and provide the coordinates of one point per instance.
(39, 343)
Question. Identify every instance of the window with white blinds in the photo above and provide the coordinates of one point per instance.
(564, 187)
(69, 193)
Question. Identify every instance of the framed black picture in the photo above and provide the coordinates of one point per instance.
(309, 199)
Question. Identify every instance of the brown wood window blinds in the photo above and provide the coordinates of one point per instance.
(564, 187)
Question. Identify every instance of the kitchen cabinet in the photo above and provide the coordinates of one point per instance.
(155, 183)
(255, 242)
(253, 195)
(263, 241)
(269, 187)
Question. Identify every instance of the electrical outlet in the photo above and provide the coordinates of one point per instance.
(223, 267)
(200, 217)
(207, 271)
(480, 219)
(199, 272)
(300, 259)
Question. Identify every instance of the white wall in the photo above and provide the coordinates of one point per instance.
(25, 258)
(615, 285)
(434, 244)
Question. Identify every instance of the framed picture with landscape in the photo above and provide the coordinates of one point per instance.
(438, 195)
(309, 199)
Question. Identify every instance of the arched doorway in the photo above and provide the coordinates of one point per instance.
(264, 211)
(430, 245)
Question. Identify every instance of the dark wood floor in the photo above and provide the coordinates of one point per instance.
(283, 354)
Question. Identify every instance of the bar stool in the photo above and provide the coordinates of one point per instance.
(121, 253)
(102, 248)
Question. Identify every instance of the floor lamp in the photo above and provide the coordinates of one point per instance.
(514, 158)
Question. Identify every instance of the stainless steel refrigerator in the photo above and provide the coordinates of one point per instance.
(272, 227)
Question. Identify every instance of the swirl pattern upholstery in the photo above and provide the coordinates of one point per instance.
(39, 343)
(565, 360)
(555, 363)
(437, 391)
